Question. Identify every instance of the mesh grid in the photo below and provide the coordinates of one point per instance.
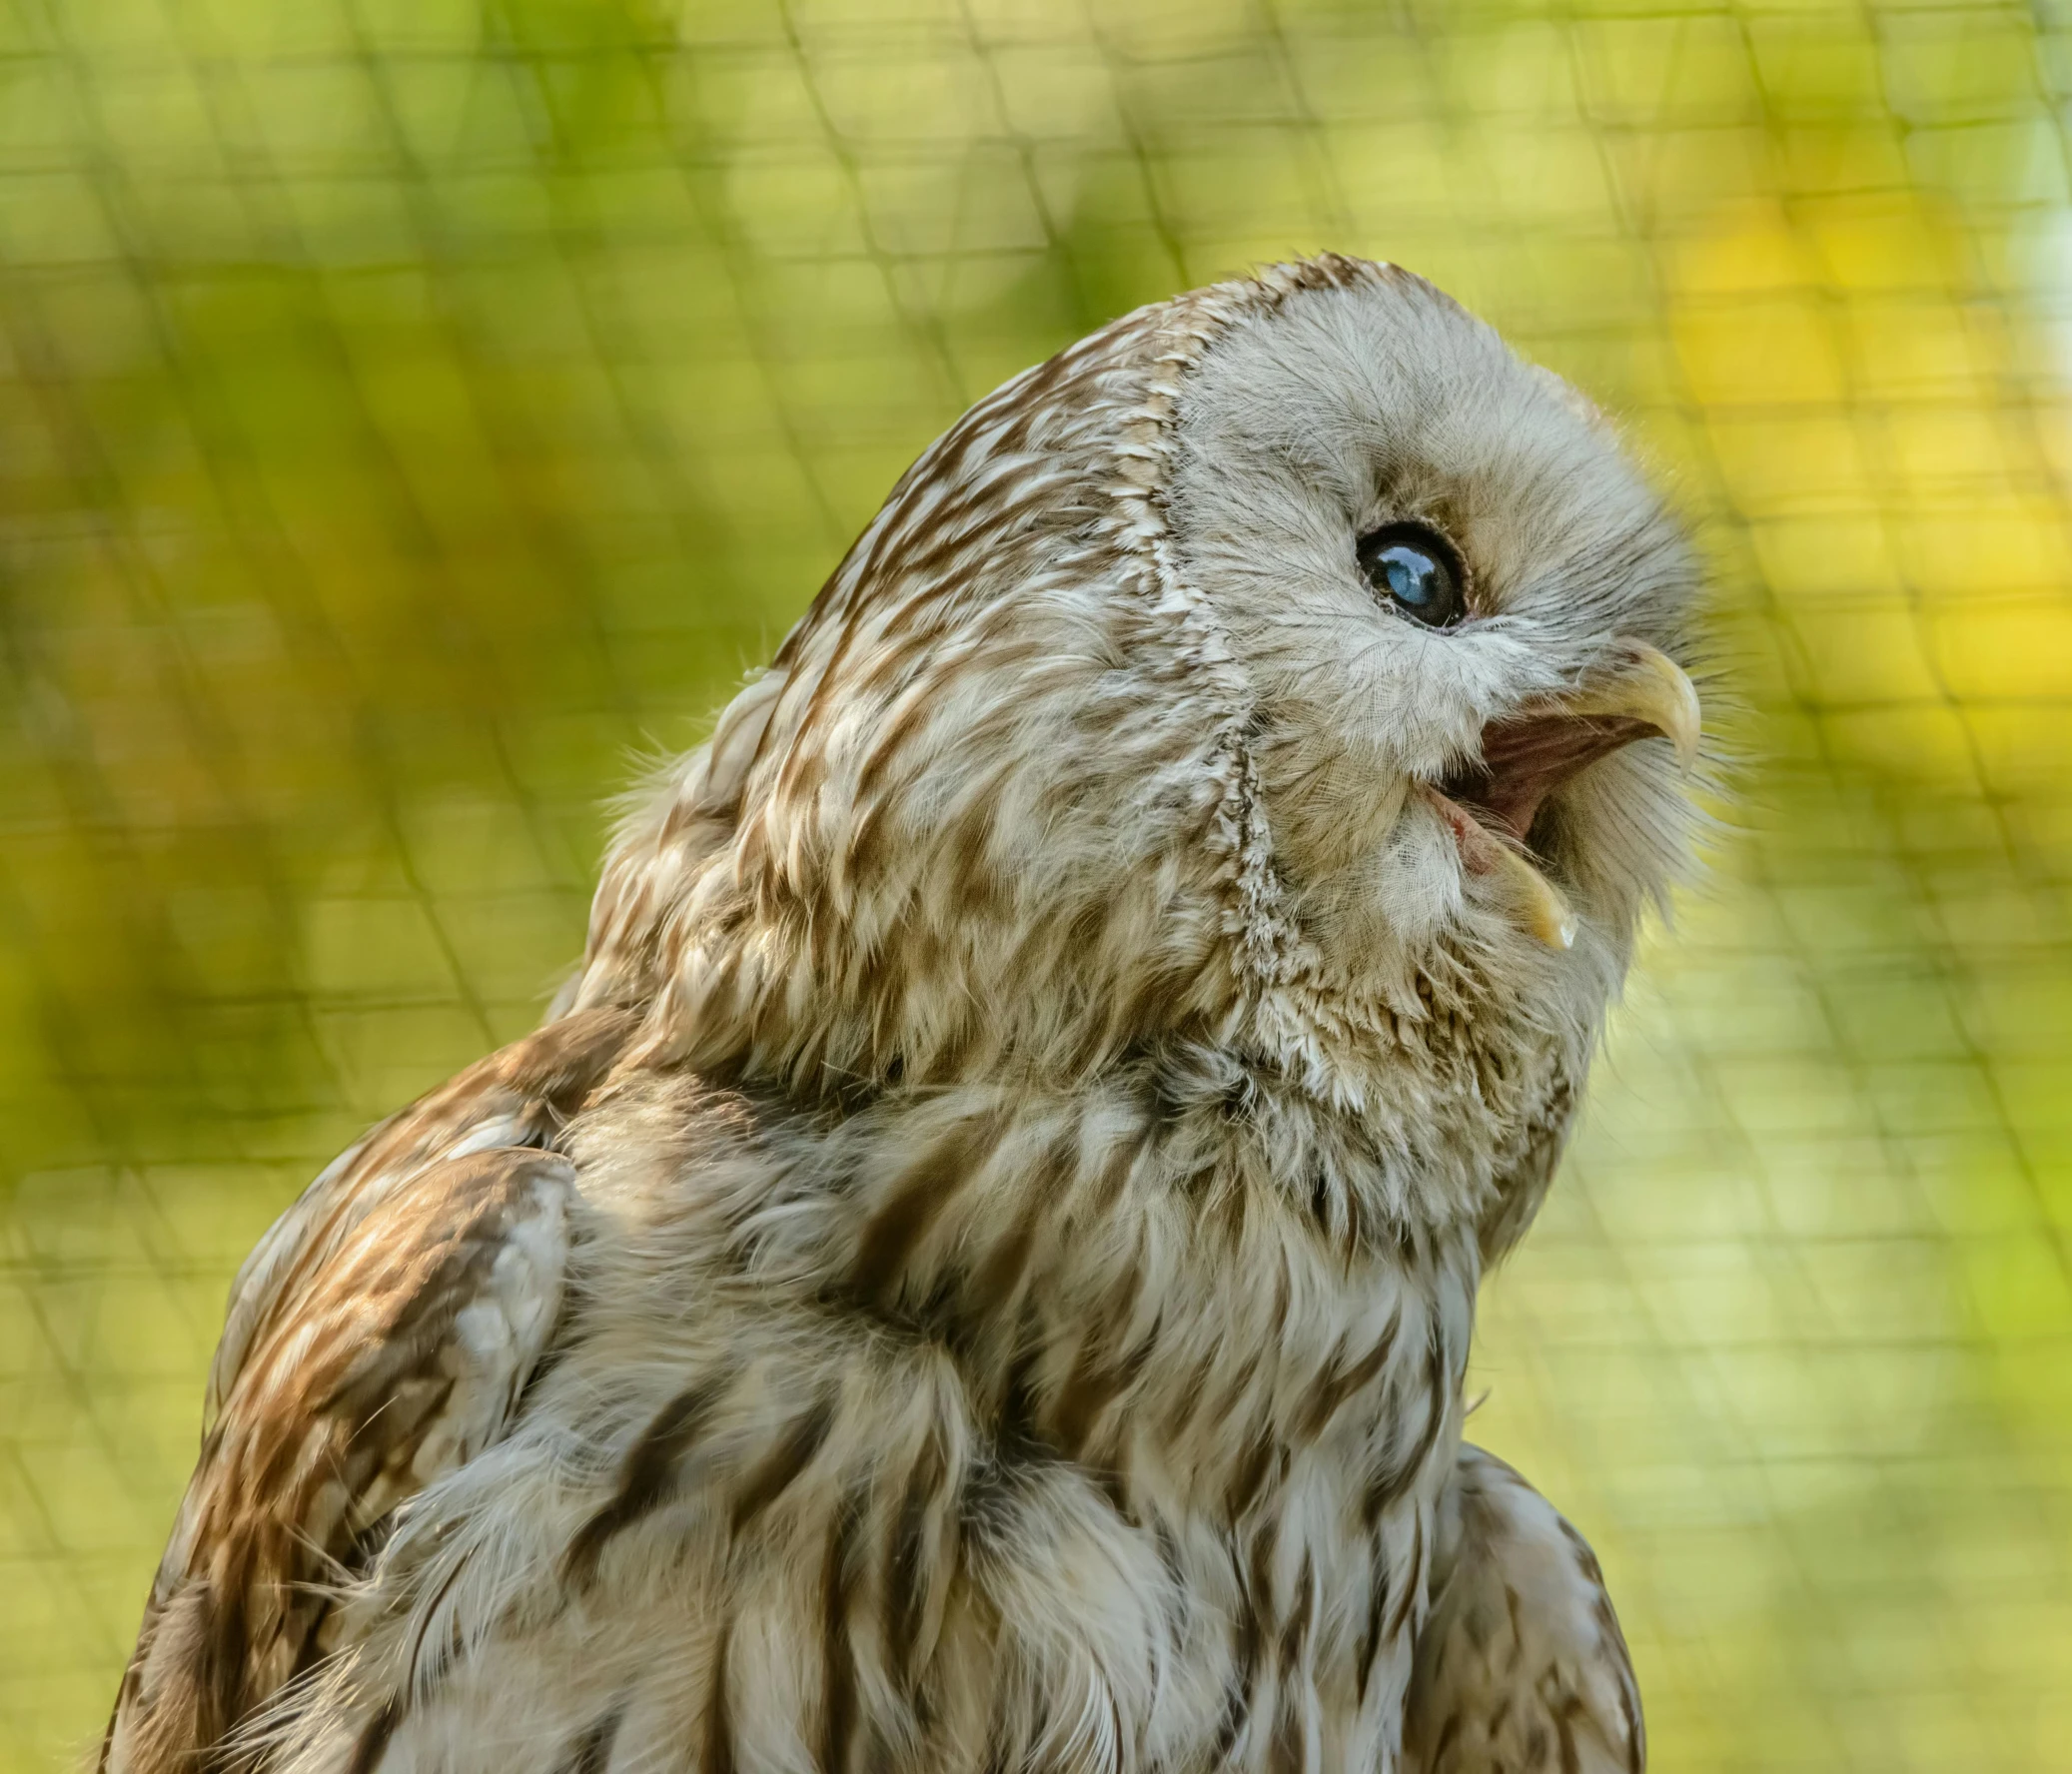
(408, 408)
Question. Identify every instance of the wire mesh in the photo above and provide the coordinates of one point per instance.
(406, 406)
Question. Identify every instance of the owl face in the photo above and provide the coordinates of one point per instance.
(1458, 609)
(1285, 670)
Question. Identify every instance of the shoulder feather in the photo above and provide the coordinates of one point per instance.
(378, 1337)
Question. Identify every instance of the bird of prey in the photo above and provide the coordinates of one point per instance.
(976, 1270)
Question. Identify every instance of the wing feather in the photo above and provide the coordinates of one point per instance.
(1521, 1662)
(379, 1335)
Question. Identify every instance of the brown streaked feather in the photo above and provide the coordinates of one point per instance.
(1521, 1650)
(838, 1702)
(788, 1459)
(719, 1729)
(590, 1753)
(644, 1474)
(347, 1380)
(521, 1095)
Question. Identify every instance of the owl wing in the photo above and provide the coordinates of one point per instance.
(379, 1335)
(1521, 1662)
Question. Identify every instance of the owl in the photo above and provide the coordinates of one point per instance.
(976, 1270)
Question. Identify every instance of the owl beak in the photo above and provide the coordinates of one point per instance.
(1490, 805)
(1652, 691)
(1541, 906)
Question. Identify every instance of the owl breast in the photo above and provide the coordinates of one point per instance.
(992, 1430)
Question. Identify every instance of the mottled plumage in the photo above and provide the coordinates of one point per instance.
(976, 1270)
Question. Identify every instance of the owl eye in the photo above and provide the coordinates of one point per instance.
(1417, 571)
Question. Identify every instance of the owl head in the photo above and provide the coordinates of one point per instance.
(1284, 678)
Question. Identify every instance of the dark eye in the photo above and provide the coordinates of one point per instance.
(1417, 571)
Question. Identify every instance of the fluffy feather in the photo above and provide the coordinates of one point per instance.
(1521, 1663)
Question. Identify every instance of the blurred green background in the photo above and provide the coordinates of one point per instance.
(412, 408)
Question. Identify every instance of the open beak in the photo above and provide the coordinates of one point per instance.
(1491, 805)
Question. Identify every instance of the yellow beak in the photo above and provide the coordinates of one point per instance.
(1647, 685)
(1527, 755)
